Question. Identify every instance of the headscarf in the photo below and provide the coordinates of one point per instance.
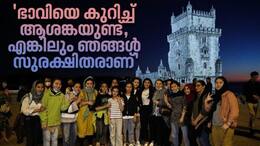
(192, 94)
(89, 93)
(223, 89)
(36, 97)
(218, 93)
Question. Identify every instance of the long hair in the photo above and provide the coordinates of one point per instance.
(151, 84)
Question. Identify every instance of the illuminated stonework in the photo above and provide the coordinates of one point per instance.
(193, 48)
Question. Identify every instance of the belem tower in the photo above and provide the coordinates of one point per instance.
(193, 48)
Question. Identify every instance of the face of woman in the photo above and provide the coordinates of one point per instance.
(128, 88)
(136, 83)
(39, 88)
(147, 84)
(57, 85)
(174, 88)
(199, 87)
(115, 92)
(89, 84)
(114, 83)
(47, 83)
(158, 85)
(77, 88)
(168, 84)
(186, 90)
(219, 84)
(103, 88)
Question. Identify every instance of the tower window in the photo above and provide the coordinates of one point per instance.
(179, 66)
(205, 65)
(203, 40)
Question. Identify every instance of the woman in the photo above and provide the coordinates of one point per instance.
(146, 95)
(136, 90)
(189, 94)
(225, 116)
(200, 118)
(102, 119)
(130, 109)
(86, 118)
(53, 102)
(177, 103)
(5, 114)
(31, 106)
(68, 118)
(114, 83)
(116, 105)
(158, 132)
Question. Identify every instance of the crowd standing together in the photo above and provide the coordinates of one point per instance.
(137, 112)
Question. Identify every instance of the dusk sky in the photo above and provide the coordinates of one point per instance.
(239, 43)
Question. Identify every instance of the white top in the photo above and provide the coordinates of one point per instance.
(127, 96)
(70, 116)
(145, 95)
(29, 106)
(115, 112)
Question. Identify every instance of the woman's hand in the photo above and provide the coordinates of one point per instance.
(208, 102)
(225, 126)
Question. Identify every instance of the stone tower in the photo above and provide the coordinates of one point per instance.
(194, 45)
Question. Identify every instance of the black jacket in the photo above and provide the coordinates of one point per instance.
(130, 107)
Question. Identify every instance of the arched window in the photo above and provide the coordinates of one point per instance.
(204, 40)
(205, 65)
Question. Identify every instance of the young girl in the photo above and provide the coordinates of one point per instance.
(178, 106)
(130, 109)
(86, 116)
(102, 119)
(115, 111)
(31, 106)
(53, 102)
(225, 116)
(189, 94)
(68, 118)
(136, 90)
(158, 132)
(146, 96)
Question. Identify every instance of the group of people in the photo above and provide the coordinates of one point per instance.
(137, 112)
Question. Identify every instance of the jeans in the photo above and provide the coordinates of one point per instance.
(137, 129)
(69, 134)
(203, 138)
(101, 131)
(50, 136)
(175, 134)
(115, 129)
(128, 130)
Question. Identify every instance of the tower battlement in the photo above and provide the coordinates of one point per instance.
(194, 29)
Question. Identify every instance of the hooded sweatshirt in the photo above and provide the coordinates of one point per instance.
(54, 104)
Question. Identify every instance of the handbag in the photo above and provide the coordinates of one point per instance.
(165, 111)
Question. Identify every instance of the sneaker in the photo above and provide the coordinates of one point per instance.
(97, 144)
(130, 144)
(138, 143)
(151, 144)
(146, 144)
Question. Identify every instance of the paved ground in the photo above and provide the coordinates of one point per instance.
(242, 137)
